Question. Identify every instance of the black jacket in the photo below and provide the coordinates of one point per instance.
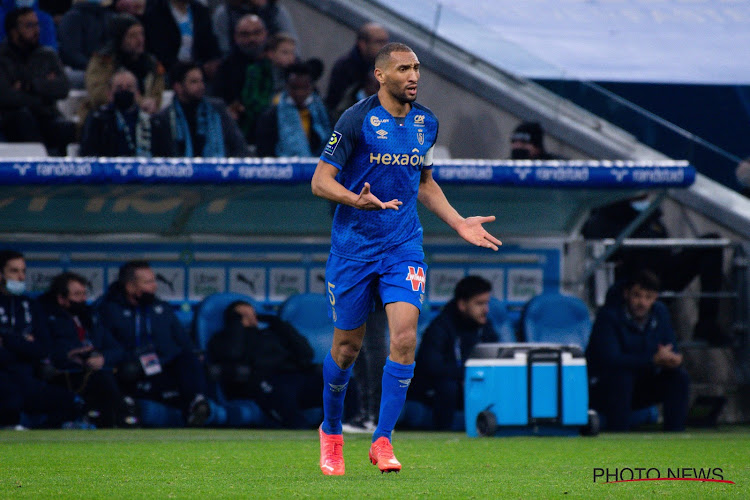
(447, 344)
(81, 32)
(280, 348)
(24, 333)
(159, 325)
(101, 136)
(64, 336)
(163, 37)
(347, 71)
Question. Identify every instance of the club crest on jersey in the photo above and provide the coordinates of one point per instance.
(333, 143)
(417, 278)
(420, 137)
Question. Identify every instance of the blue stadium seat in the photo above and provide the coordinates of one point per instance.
(556, 318)
(501, 321)
(308, 313)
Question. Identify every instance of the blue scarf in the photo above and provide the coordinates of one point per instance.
(208, 123)
(292, 139)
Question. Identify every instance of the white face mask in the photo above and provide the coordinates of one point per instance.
(640, 205)
(15, 287)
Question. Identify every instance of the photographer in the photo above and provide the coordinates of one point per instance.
(85, 352)
(24, 353)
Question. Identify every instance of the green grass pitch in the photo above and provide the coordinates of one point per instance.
(284, 464)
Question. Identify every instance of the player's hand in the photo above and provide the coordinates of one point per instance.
(472, 231)
(95, 362)
(368, 201)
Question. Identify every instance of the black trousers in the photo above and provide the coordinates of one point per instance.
(444, 395)
(180, 381)
(22, 392)
(615, 395)
(99, 390)
(23, 125)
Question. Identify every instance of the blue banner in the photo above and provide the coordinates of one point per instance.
(523, 173)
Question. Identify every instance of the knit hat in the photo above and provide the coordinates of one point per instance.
(530, 132)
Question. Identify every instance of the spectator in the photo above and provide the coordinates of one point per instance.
(125, 49)
(180, 30)
(82, 31)
(356, 93)
(32, 79)
(224, 21)
(86, 352)
(272, 365)
(200, 126)
(275, 16)
(159, 356)
(47, 29)
(527, 143)
(299, 124)
(24, 353)
(675, 268)
(632, 358)
(743, 176)
(136, 8)
(245, 77)
(446, 345)
(122, 128)
(353, 68)
(281, 51)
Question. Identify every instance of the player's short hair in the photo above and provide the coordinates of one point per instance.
(230, 313)
(645, 278)
(471, 286)
(6, 255)
(389, 48)
(59, 284)
(128, 270)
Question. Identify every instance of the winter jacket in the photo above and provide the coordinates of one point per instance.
(82, 31)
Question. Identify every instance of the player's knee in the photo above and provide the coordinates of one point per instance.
(404, 341)
(345, 354)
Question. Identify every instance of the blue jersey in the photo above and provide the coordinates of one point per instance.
(370, 145)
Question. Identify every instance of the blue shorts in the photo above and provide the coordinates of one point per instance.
(352, 286)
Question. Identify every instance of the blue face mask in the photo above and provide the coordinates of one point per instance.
(15, 287)
(25, 3)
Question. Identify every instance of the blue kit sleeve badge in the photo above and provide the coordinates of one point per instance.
(333, 143)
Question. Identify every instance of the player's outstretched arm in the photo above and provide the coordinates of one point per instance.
(470, 228)
(325, 185)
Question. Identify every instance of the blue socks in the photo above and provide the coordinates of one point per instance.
(335, 382)
(396, 380)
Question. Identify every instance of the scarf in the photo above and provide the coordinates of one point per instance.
(208, 125)
(141, 147)
(257, 90)
(292, 135)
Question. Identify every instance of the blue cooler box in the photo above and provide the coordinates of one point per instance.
(525, 387)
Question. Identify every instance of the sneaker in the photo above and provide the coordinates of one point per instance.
(199, 412)
(358, 425)
(381, 454)
(331, 453)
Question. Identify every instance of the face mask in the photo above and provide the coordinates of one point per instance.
(15, 287)
(640, 205)
(146, 299)
(24, 3)
(519, 154)
(123, 99)
(78, 308)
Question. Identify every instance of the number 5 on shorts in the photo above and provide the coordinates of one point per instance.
(331, 297)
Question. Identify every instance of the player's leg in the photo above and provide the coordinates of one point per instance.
(350, 297)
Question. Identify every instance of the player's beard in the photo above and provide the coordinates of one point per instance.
(400, 95)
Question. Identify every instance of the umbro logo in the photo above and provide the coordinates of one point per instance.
(404, 383)
(382, 134)
(337, 388)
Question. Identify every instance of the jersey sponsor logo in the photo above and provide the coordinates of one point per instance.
(396, 159)
(419, 120)
(382, 134)
(417, 278)
(376, 122)
(333, 143)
